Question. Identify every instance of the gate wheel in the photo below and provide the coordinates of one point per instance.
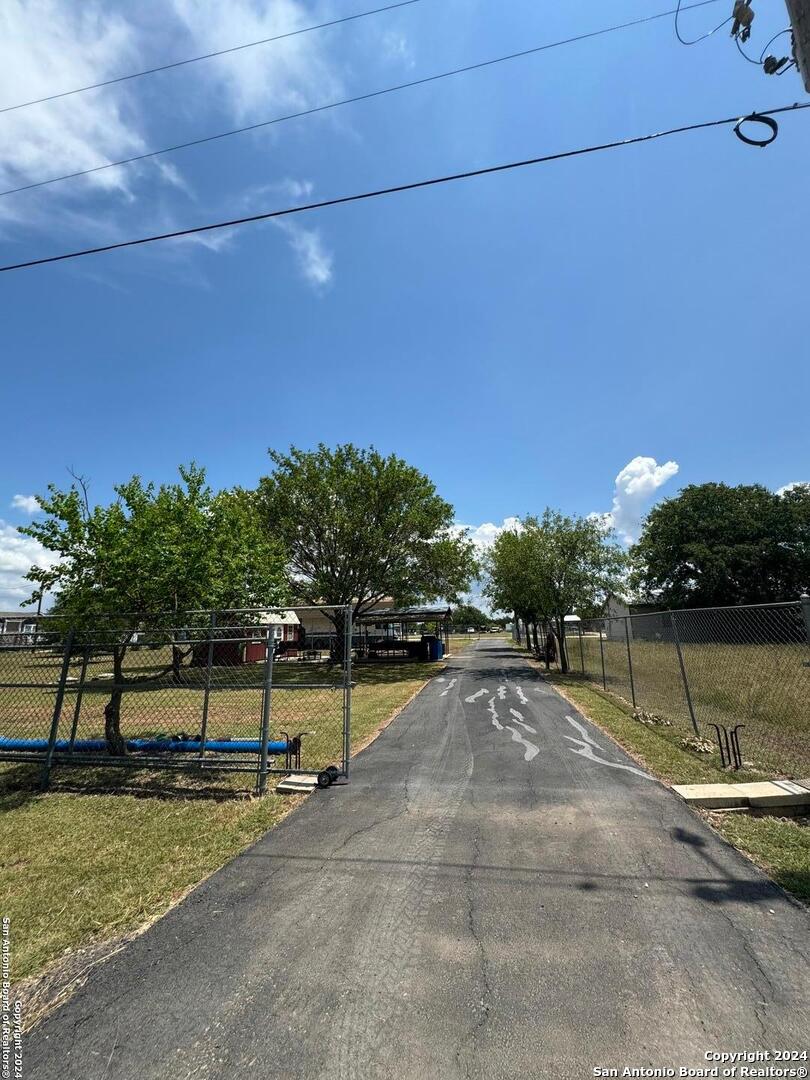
(324, 779)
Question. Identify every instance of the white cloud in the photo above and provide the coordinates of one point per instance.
(290, 74)
(791, 486)
(485, 535)
(314, 260)
(17, 555)
(45, 47)
(634, 493)
(27, 503)
(395, 46)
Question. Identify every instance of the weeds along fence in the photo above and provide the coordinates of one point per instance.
(736, 676)
(234, 691)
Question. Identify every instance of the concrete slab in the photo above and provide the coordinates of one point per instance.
(776, 793)
(297, 783)
(711, 796)
(761, 793)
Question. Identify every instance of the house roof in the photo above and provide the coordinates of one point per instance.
(274, 618)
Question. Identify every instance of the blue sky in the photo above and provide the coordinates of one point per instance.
(525, 338)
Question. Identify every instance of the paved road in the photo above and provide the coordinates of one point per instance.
(499, 892)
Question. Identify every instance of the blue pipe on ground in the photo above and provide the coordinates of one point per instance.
(153, 746)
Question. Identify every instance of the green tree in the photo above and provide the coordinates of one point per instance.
(469, 615)
(359, 527)
(714, 545)
(148, 559)
(551, 567)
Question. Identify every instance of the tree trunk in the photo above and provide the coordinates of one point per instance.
(534, 634)
(517, 628)
(177, 659)
(116, 743)
(338, 620)
(562, 648)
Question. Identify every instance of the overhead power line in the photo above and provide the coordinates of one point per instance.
(207, 56)
(684, 41)
(398, 188)
(349, 101)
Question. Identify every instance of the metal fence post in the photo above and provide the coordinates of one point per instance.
(207, 691)
(347, 695)
(629, 659)
(805, 602)
(602, 654)
(683, 672)
(45, 776)
(581, 651)
(268, 689)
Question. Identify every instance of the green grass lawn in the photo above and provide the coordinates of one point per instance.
(104, 850)
(781, 846)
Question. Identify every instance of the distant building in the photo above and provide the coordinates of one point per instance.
(17, 628)
(654, 626)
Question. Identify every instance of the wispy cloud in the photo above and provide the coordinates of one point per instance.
(291, 74)
(27, 503)
(17, 555)
(314, 261)
(51, 45)
(790, 487)
(634, 493)
(45, 47)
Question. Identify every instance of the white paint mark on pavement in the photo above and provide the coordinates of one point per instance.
(585, 747)
(523, 699)
(475, 696)
(449, 687)
(531, 750)
(502, 692)
(494, 713)
(519, 720)
(583, 732)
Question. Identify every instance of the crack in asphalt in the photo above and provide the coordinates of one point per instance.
(483, 965)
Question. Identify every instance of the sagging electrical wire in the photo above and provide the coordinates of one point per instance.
(702, 37)
(765, 117)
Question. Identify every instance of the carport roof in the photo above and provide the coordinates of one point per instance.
(404, 615)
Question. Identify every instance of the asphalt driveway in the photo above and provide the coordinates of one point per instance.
(499, 892)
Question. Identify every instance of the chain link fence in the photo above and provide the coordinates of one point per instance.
(236, 691)
(738, 677)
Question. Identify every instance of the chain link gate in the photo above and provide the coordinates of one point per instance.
(261, 691)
